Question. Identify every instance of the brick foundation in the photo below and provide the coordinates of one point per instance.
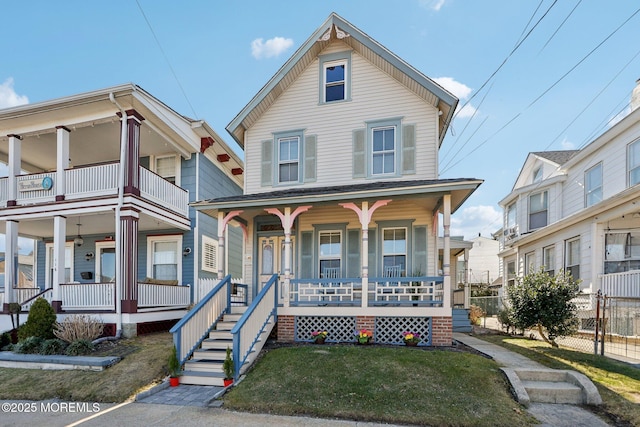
(286, 325)
(441, 331)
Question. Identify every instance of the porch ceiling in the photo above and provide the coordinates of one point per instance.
(427, 192)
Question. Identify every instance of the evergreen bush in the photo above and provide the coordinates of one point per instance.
(53, 346)
(30, 345)
(40, 322)
(79, 348)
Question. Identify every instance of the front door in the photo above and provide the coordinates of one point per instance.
(271, 261)
(105, 262)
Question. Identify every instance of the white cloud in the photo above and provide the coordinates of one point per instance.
(461, 91)
(476, 219)
(272, 47)
(9, 97)
(432, 4)
(567, 145)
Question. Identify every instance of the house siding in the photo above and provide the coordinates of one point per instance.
(375, 96)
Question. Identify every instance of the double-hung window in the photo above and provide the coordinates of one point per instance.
(633, 163)
(529, 262)
(168, 167)
(383, 150)
(164, 257)
(538, 205)
(330, 254)
(549, 260)
(572, 257)
(511, 273)
(394, 251)
(593, 185)
(511, 215)
(335, 75)
(288, 159)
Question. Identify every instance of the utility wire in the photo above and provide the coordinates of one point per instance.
(166, 58)
(560, 26)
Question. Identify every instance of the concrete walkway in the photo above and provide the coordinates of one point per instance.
(551, 415)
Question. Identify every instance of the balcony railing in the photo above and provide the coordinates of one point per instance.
(88, 296)
(157, 189)
(95, 181)
(626, 284)
(383, 291)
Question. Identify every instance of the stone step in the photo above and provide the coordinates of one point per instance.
(542, 375)
(553, 392)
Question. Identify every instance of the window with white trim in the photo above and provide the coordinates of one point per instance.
(288, 159)
(549, 260)
(164, 257)
(537, 175)
(511, 215)
(209, 254)
(335, 76)
(529, 263)
(622, 252)
(394, 251)
(68, 263)
(168, 167)
(593, 185)
(330, 254)
(633, 163)
(572, 257)
(511, 273)
(538, 204)
(383, 150)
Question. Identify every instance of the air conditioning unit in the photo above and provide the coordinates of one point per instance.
(511, 232)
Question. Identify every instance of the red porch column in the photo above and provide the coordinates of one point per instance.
(132, 160)
(129, 259)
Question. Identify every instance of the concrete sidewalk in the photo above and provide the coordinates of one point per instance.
(551, 415)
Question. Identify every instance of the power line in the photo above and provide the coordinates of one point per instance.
(166, 58)
(560, 26)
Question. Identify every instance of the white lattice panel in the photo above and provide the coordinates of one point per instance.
(389, 329)
(340, 328)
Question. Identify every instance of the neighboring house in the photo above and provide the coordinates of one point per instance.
(579, 211)
(342, 195)
(483, 261)
(102, 180)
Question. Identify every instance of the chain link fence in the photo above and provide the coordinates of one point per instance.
(609, 326)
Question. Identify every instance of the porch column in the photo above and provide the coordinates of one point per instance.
(132, 149)
(287, 220)
(223, 220)
(14, 166)
(10, 264)
(129, 259)
(364, 215)
(62, 161)
(467, 291)
(59, 243)
(446, 256)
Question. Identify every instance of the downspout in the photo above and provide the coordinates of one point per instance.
(123, 139)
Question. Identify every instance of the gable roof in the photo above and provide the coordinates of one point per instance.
(557, 157)
(337, 28)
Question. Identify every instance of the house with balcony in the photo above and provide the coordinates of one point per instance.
(102, 182)
(342, 198)
(579, 211)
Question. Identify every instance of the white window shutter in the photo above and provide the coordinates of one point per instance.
(209, 254)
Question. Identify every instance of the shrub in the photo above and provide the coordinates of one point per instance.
(53, 346)
(78, 327)
(79, 348)
(30, 345)
(5, 340)
(174, 363)
(539, 300)
(40, 321)
(475, 314)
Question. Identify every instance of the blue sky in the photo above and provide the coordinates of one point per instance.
(569, 77)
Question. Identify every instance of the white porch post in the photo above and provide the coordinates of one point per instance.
(364, 215)
(446, 256)
(14, 166)
(467, 291)
(59, 242)
(10, 271)
(62, 161)
(223, 220)
(287, 220)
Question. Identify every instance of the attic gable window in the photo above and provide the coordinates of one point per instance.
(537, 175)
(335, 76)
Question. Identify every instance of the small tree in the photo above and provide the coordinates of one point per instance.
(40, 322)
(541, 301)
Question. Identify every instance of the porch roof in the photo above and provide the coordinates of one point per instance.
(459, 188)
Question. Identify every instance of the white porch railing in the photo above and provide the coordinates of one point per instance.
(153, 295)
(161, 191)
(238, 295)
(46, 294)
(88, 296)
(21, 294)
(626, 284)
(189, 332)
(408, 291)
(4, 192)
(95, 181)
(323, 291)
(36, 196)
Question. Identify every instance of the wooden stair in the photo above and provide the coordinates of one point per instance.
(205, 366)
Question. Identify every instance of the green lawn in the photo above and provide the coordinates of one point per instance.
(144, 362)
(375, 383)
(617, 382)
